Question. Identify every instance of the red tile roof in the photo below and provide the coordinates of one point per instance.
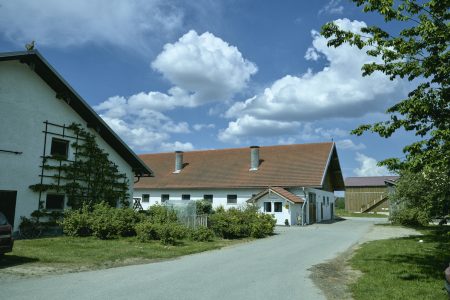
(283, 166)
(368, 181)
(279, 191)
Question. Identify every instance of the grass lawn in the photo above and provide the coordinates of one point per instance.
(343, 213)
(403, 268)
(90, 253)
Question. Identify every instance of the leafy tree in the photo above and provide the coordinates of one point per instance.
(419, 197)
(419, 51)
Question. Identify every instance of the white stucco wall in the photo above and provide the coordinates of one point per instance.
(322, 204)
(220, 199)
(26, 101)
(220, 195)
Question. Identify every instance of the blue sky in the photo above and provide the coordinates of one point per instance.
(185, 75)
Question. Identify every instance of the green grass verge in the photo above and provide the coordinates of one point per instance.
(92, 253)
(403, 268)
(344, 213)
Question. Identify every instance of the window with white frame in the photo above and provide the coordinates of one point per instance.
(208, 198)
(165, 197)
(185, 197)
(267, 206)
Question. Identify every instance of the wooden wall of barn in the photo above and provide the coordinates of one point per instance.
(357, 198)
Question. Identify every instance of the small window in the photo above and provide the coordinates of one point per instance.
(312, 197)
(185, 197)
(165, 197)
(54, 201)
(231, 199)
(278, 207)
(60, 148)
(146, 198)
(208, 198)
(267, 206)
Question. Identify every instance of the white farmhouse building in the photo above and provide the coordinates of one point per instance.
(293, 182)
(36, 107)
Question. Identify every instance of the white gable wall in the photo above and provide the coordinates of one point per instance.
(26, 101)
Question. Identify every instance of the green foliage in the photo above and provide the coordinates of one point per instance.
(147, 231)
(161, 214)
(411, 216)
(340, 203)
(103, 221)
(239, 223)
(262, 225)
(204, 207)
(77, 222)
(167, 233)
(90, 179)
(420, 196)
(419, 51)
(170, 233)
(201, 234)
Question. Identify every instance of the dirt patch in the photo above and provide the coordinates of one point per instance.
(335, 276)
(39, 269)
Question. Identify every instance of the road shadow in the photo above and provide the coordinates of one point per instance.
(9, 260)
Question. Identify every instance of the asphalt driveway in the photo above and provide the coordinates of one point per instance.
(271, 268)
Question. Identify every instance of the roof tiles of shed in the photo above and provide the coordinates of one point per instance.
(368, 181)
(283, 166)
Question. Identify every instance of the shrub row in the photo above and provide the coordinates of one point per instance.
(106, 222)
(160, 223)
(239, 223)
(103, 221)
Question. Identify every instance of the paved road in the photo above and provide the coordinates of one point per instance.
(272, 268)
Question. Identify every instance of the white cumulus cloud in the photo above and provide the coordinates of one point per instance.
(336, 91)
(202, 69)
(368, 166)
(206, 66)
(348, 144)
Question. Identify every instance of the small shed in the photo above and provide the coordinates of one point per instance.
(367, 194)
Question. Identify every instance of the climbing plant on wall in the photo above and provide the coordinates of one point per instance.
(90, 178)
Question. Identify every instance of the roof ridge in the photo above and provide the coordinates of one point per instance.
(240, 148)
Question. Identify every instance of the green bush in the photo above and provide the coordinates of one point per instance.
(201, 234)
(161, 214)
(125, 219)
(170, 233)
(77, 222)
(262, 226)
(239, 223)
(203, 207)
(409, 217)
(103, 222)
(147, 231)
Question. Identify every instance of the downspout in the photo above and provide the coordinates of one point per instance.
(303, 207)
